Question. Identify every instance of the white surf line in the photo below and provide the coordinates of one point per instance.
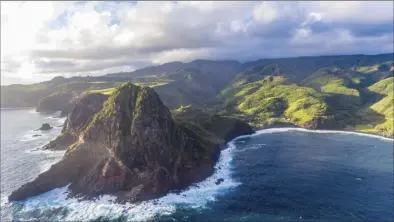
(10, 108)
(196, 196)
(56, 131)
(287, 129)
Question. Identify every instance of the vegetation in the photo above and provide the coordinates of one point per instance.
(353, 92)
(275, 97)
(384, 86)
(107, 91)
(343, 95)
(378, 117)
(222, 127)
(30, 95)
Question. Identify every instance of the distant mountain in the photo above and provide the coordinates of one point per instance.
(301, 67)
(328, 92)
(314, 92)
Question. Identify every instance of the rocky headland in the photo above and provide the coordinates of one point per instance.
(131, 146)
(62, 101)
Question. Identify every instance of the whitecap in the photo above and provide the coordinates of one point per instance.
(29, 136)
(45, 136)
(256, 147)
(61, 120)
(33, 111)
(196, 196)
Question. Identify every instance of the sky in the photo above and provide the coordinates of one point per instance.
(41, 40)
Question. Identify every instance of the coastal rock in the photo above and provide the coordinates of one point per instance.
(320, 123)
(45, 126)
(70, 105)
(219, 181)
(59, 101)
(132, 148)
(83, 111)
(223, 127)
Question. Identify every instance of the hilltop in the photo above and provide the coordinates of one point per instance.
(130, 146)
(341, 92)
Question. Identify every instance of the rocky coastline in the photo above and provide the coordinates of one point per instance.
(130, 145)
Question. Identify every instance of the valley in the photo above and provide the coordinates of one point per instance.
(353, 92)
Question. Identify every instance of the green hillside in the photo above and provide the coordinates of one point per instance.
(30, 95)
(342, 92)
(274, 99)
(378, 117)
(340, 98)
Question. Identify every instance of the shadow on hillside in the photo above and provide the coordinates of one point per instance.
(368, 97)
(352, 110)
(370, 117)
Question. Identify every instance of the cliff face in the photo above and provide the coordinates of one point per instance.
(82, 112)
(321, 123)
(131, 148)
(223, 128)
(60, 101)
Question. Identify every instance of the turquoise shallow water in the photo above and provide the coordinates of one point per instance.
(277, 175)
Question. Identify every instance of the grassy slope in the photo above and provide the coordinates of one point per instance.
(343, 84)
(187, 87)
(273, 99)
(378, 117)
(328, 86)
(30, 95)
(331, 92)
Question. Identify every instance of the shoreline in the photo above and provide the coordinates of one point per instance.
(295, 127)
(11, 108)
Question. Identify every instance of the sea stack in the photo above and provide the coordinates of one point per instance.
(45, 126)
(131, 148)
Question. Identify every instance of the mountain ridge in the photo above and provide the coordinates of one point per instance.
(338, 82)
(130, 146)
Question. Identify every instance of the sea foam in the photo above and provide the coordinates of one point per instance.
(197, 196)
(44, 136)
(277, 130)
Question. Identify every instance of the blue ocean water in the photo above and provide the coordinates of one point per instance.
(274, 175)
(20, 160)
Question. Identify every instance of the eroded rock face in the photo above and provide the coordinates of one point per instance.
(131, 148)
(45, 126)
(224, 128)
(85, 107)
(321, 123)
(60, 101)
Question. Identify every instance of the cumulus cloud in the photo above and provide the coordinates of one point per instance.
(42, 39)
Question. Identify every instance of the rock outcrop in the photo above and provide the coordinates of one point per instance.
(224, 128)
(45, 126)
(83, 111)
(321, 123)
(60, 101)
(131, 148)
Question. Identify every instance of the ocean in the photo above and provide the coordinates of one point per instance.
(280, 174)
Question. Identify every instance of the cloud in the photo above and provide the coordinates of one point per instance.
(41, 39)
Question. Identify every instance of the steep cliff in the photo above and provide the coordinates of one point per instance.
(131, 148)
(82, 112)
(224, 128)
(59, 101)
